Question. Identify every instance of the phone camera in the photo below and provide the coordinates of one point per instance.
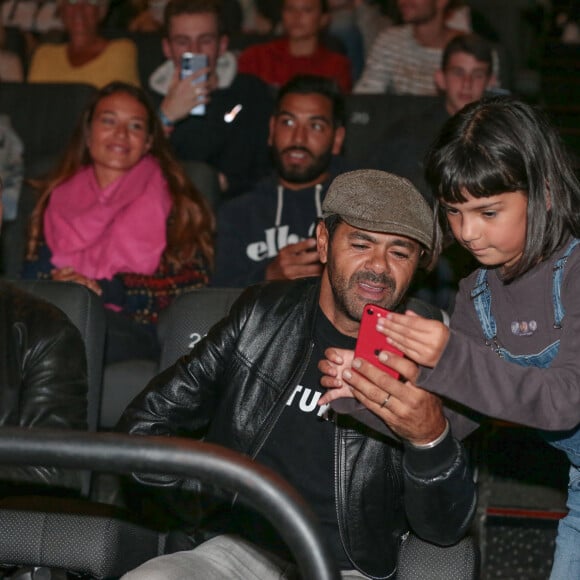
(370, 311)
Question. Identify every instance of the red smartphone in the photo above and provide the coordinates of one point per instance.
(370, 341)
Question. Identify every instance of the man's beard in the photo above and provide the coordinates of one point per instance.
(301, 174)
(342, 291)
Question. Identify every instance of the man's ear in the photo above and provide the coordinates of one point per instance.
(322, 241)
(224, 42)
(339, 135)
(166, 48)
(440, 80)
(271, 133)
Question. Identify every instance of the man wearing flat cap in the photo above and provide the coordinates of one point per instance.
(253, 385)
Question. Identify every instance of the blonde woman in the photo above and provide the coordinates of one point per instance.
(87, 57)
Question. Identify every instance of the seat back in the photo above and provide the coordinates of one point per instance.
(85, 310)
(369, 117)
(420, 559)
(189, 318)
(181, 326)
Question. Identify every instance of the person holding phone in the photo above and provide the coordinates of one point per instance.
(252, 384)
(232, 133)
(268, 233)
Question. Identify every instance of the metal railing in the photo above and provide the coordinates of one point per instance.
(256, 485)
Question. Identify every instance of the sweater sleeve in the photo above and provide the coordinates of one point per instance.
(375, 76)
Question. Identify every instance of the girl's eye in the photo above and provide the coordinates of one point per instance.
(107, 120)
(450, 210)
(137, 126)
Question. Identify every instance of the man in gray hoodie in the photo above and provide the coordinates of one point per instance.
(267, 234)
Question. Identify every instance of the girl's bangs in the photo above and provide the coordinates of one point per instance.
(472, 170)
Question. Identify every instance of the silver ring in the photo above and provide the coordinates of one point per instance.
(384, 403)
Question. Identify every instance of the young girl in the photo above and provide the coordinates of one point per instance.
(503, 180)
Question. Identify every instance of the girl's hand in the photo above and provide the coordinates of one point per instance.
(70, 275)
(420, 339)
(336, 362)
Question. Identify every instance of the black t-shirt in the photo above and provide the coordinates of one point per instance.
(301, 449)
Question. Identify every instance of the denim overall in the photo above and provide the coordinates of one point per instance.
(567, 558)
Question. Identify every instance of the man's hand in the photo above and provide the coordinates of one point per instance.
(420, 339)
(298, 260)
(70, 275)
(184, 94)
(411, 412)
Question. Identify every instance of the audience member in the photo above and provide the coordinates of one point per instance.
(10, 65)
(253, 383)
(404, 58)
(268, 234)
(261, 16)
(300, 51)
(120, 216)
(87, 57)
(43, 381)
(344, 26)
(11, 167)
(34, 18)
(231, 135)
(465, 74)
(148, 15)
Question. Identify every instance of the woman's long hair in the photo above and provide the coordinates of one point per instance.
(191, 223)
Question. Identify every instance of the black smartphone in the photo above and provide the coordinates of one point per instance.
(371, 342)
(190, 63)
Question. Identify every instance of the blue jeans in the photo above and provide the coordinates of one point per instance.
(567, 556)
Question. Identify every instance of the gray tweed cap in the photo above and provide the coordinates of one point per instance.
(380, 202)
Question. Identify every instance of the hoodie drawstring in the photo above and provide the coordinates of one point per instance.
(280, 203)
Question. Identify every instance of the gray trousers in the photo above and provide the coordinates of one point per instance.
(226, 557)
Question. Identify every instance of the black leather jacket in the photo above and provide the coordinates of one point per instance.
(233, 387)
(43, 380)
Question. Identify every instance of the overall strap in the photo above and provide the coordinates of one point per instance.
(558, 275)
(481, 297)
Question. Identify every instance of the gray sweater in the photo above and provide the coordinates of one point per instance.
(473, 374)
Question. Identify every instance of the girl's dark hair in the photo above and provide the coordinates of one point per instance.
(499, 145)
(191, 223)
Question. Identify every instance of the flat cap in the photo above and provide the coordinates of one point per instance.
(378, 201)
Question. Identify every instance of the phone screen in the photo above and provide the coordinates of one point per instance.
(370, 341)
(190, 63)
